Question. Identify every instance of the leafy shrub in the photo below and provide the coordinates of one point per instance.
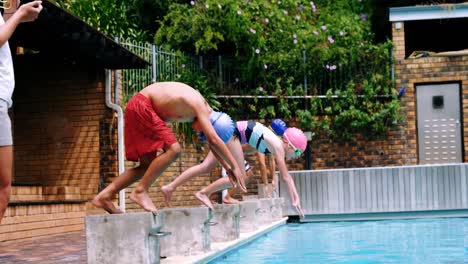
(279, 45)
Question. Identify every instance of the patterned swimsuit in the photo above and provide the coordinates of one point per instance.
(251, 132)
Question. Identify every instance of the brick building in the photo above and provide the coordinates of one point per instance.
(63, 133)
(65, 136)
(431, 63)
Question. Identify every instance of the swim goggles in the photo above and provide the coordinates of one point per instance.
(297, 152)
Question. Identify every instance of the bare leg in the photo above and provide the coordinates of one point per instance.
(206, 166)
(263, 171)
(229, 196)
(6, 170)
(229, 200)
(157, 167)
(223, 183)
(235, 147)
(167, 194)
(204, 199)
(218, 185)
(104, 198)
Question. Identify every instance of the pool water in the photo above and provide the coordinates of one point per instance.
(438, 240)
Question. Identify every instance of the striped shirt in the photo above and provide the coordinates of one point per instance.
(251, 132)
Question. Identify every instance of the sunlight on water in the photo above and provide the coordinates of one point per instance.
(393, 241)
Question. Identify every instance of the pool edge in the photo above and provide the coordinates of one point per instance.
(221, 248)
(372, 216)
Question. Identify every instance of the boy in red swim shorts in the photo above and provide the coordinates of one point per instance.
(146, 132)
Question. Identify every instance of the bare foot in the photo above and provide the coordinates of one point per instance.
(167, 193)
(204, 199)
(143, 200)
(104, 203)
(230, 200)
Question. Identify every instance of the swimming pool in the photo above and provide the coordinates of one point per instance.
(437, 240)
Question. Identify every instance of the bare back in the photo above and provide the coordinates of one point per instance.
(174, 101)
(274, 143)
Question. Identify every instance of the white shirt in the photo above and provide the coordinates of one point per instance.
(246, 166)
(7, 76)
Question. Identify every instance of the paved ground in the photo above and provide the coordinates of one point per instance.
(58, 249)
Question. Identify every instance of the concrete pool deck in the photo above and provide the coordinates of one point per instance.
(71, 248)
(55, 249)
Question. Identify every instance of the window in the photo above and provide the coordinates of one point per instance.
(438, 102)
(436, 35)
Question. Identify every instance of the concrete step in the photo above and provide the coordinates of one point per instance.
(28, 219)
(44, 193)
(226, 218)
(190, 228)
(123, 238)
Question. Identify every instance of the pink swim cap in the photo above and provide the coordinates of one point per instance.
(296, 137)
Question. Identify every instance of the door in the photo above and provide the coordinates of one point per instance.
(439, 128)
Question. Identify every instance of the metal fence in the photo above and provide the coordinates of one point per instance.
(353, 192)
(164, 66)
(226, 72)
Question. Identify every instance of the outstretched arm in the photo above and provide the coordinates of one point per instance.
(220, 150)
(286, 177)
(232, 178)
(264, 172)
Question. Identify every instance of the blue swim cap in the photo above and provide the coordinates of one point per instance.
(222, 124)
(278, 126)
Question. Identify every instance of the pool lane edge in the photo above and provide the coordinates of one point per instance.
(219, 249)
(389, 215)
(249, 237)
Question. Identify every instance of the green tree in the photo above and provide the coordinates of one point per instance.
(111, 17)
(268, 41)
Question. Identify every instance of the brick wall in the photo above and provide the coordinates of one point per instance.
(108, 150)
(397, 148)
(58, 114)
(433, 70)
(409, 72)
(400, 146)
(26, 221)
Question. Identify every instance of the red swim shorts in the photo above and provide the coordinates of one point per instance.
(145, 131)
